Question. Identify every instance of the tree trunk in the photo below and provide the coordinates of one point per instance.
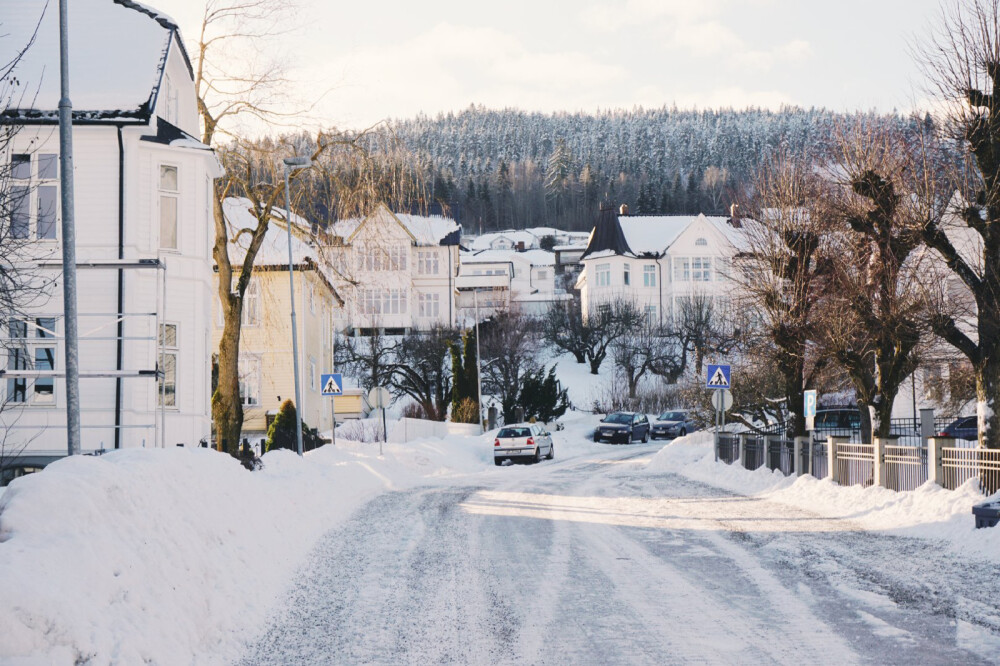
(580, 356)
(987, 385)
(227, 408)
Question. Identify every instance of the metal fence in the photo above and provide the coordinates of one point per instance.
(958, 465)
(905, 467)
(729, 448)
(855, 464)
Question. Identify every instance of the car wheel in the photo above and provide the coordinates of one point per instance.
(645, 437)
(498, 461)
(552, 452)
(597, 438)
(538, 456)
(682, 432)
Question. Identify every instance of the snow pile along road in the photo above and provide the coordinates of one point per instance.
(930, 511)
(173, 554)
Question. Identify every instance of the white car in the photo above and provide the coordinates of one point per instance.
(523, 441)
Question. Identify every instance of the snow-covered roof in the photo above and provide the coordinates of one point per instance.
(653, 234)
(532, 257)
(117, 49)
(485, 241)
(274, 250)
(425, 230)
(648, 235)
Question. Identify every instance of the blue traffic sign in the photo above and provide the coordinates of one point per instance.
(718, 377)
(809, 403)
(333, 384)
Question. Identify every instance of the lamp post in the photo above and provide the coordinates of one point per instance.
(479, 367)
(292, 163)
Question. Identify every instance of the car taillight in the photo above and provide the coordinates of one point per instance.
(531, 441)
(496, 442)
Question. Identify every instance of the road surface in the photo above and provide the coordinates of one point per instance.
(595, 561)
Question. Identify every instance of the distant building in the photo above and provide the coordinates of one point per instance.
(395, 272)
(143, 190)
(657, 262)
(507, 279)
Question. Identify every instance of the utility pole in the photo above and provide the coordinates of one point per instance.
(71, 341)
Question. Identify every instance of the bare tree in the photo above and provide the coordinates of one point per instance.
(876, 308)
(962, 61)
(420, 369)
(706, 328)
(508, 353)
(589, 339)
(781, 273)
(645, 348)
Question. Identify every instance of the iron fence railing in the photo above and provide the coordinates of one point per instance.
(729, 448)
(905, 467)
(960, 464)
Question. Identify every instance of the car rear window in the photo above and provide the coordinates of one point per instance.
(514, 432)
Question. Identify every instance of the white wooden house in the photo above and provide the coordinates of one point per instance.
(143, 187)
(507, 279)
(656, 262)
(395, 272)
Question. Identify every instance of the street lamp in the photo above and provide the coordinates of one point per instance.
(293, 163)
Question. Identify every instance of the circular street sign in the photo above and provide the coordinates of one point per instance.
(379, 397)
(722, 399)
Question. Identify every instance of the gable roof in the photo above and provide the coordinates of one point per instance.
(647, 235)
(423, 230)
(485, 241)
(118, 51)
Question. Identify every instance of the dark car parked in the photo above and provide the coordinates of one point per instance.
(673, 423)
(623, 426)
(965, 427)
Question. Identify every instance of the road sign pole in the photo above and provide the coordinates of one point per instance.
(384, 433)
(333, 413)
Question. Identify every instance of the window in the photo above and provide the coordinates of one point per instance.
(31, 346)
(682, 269)
(427, 262)
(649, 275)
(650, 314)
(249, 372)
(429, 305)
(701, 269)
(543, 275)
(168, 207)
(626, 276)
(603, 275)
(312, 373)
(251, 304)
(379, 258)
(166, 393)
(45, 201)
(382, 301)
(311, 291)
(701, 242)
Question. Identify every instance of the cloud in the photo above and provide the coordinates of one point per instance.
(630, 13)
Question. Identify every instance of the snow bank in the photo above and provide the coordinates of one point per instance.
(928, 512)
(175, 555)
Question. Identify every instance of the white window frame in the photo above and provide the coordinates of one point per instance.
(649, 275)
(429, 306)
(701, 269)
(250, 380)
(30, 190)
(627, 274)
(603, 273)
(168, 351)
(251, 312)
(165, 194)
(312, 374)
(682, 269)
(428, 262)
(22, 352)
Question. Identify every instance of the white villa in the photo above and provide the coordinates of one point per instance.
(657, 262)
(395, 272)
(143, 214)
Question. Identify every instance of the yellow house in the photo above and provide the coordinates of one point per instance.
(266, 370)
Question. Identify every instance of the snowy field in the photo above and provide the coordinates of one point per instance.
(181, 556)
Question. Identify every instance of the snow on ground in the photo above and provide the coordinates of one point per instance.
(928, 512)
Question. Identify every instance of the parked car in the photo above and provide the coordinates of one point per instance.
(523, 441)
(839, 421)
(965, 427)
(675, 423)
(624, 426)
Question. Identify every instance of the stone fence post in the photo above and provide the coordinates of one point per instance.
(935, 468)
(800, 442)
(832, 469)
(743, 450)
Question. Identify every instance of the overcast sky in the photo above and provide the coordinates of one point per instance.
(382, 59)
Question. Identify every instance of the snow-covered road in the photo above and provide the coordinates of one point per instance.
(592, 560)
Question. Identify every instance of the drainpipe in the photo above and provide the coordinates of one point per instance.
(659, 266)
(121, 288)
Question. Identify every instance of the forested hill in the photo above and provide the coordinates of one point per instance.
(510, 168)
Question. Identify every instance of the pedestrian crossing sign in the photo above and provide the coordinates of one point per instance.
(718, 377)
(333, 384)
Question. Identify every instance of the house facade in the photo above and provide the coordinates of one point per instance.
(267, 376)
(143, 188)
(395, 272)
(497, 280)
(657, 262)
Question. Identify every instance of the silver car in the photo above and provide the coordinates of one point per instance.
(673, 423)
(524, 441)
